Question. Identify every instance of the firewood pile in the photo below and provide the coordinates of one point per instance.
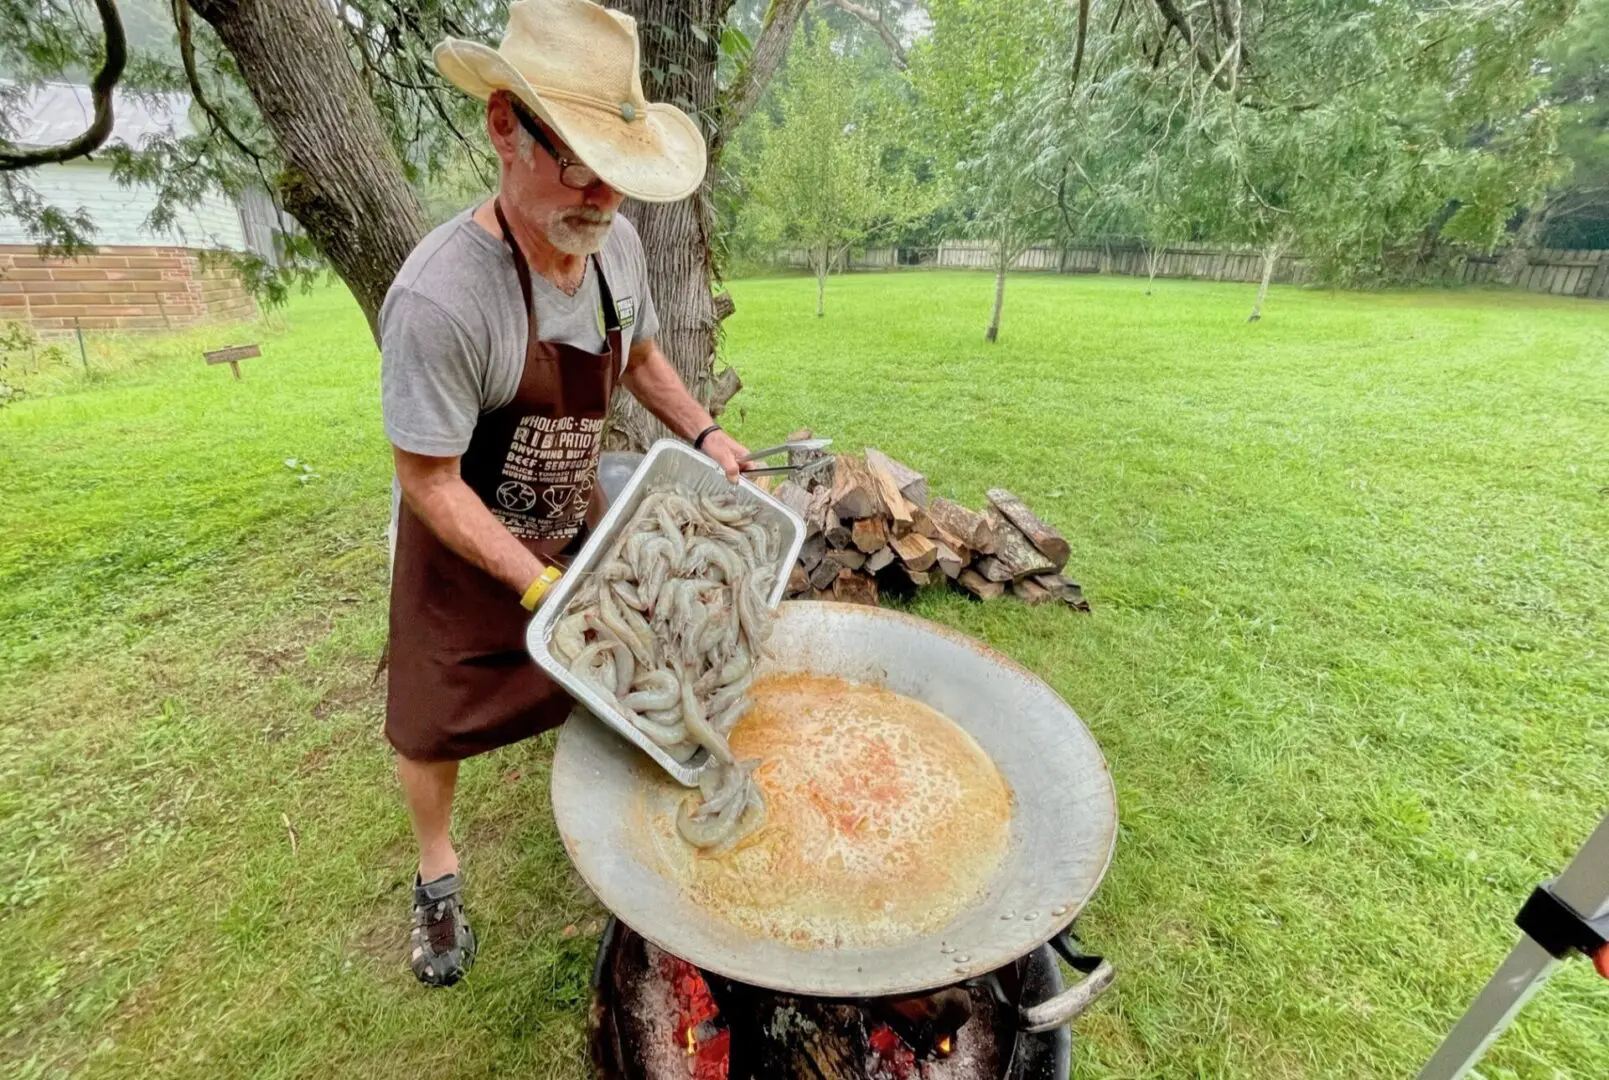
(871, 527)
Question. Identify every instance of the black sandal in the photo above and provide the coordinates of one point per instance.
(443, 943)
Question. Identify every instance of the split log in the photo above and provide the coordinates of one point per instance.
(1068, 592)
(811, 467)
(870, 534)
(825, 573)
(1054, 584)
(1017, 553)
(1030, 592)
(798, 580)
(879, 559)
(797, 458)
(810, 553)
(918, 578)
(794, 497)
(847, 558)
(819, 516)
(853, 588)
(993, 569)
(951, 541)
(949, 560)
(922, 522)
(1049, 542)
(911, 484)
(915, 551)
(838, 534)
(854, 492)
(898, 507)
(979, 586)
(970, 527)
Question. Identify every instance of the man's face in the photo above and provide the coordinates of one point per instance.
(574, 220)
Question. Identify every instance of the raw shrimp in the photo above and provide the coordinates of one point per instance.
(667, 632)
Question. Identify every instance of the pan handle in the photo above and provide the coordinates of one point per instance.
(1070, 1004)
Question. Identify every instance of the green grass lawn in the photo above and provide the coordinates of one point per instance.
(1349, 662)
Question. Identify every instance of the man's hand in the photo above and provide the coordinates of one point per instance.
(725, 451)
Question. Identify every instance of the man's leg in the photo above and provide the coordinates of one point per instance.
(428, 786)
(443, 946)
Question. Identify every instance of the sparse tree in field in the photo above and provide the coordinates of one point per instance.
(819, 182)
(974, 74)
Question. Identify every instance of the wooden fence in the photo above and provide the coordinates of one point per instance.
(884, 258)
(1560, 273)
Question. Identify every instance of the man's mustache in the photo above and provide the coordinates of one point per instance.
(590, 215)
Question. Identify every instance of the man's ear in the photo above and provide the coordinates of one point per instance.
(502, 127)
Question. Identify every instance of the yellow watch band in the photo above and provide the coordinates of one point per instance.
(544, 581)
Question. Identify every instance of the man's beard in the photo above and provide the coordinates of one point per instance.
(580, 230)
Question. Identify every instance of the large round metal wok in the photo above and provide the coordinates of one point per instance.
(1064, 819)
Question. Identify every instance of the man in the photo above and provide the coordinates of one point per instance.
(502, 340)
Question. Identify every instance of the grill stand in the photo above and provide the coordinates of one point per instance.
(783, 1037)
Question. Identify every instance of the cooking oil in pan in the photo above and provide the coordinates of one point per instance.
(884, 819)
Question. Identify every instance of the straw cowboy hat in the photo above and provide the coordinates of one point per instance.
(575, 65)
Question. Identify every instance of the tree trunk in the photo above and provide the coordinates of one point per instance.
(341, 180)
(676, 236)
(821, 282)
(1516, 258)
(1003, 254)
(1270, 260)
(1153, 256)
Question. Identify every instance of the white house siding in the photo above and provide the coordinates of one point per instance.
(119, 212)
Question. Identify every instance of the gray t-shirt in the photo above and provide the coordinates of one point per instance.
(452, 329)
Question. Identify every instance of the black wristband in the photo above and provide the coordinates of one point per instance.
(698, 443)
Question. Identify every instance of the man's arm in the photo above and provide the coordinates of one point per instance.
(450, 509)
(654, 382)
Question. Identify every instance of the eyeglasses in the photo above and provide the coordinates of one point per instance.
(572, 174)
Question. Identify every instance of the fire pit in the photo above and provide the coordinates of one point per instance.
(657, 1017)
(688, 992)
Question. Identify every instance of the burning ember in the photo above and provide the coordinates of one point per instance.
(696, 1014)
(703, 1036)
(894, 1059)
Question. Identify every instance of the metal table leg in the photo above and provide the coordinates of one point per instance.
(1584, 888)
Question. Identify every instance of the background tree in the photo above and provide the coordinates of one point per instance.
(1575, 211)
(973, 74)
(819, 181)
(1358, 135)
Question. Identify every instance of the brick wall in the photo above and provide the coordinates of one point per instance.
(118, 288)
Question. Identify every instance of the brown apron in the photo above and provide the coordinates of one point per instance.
(460, 680)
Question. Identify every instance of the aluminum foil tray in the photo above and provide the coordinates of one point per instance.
(667, 463)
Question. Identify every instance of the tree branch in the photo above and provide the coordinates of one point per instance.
(187, 57)
(874, 20)
(100, 89)
(1078, 50)
(1214, 68)
(764, 60)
